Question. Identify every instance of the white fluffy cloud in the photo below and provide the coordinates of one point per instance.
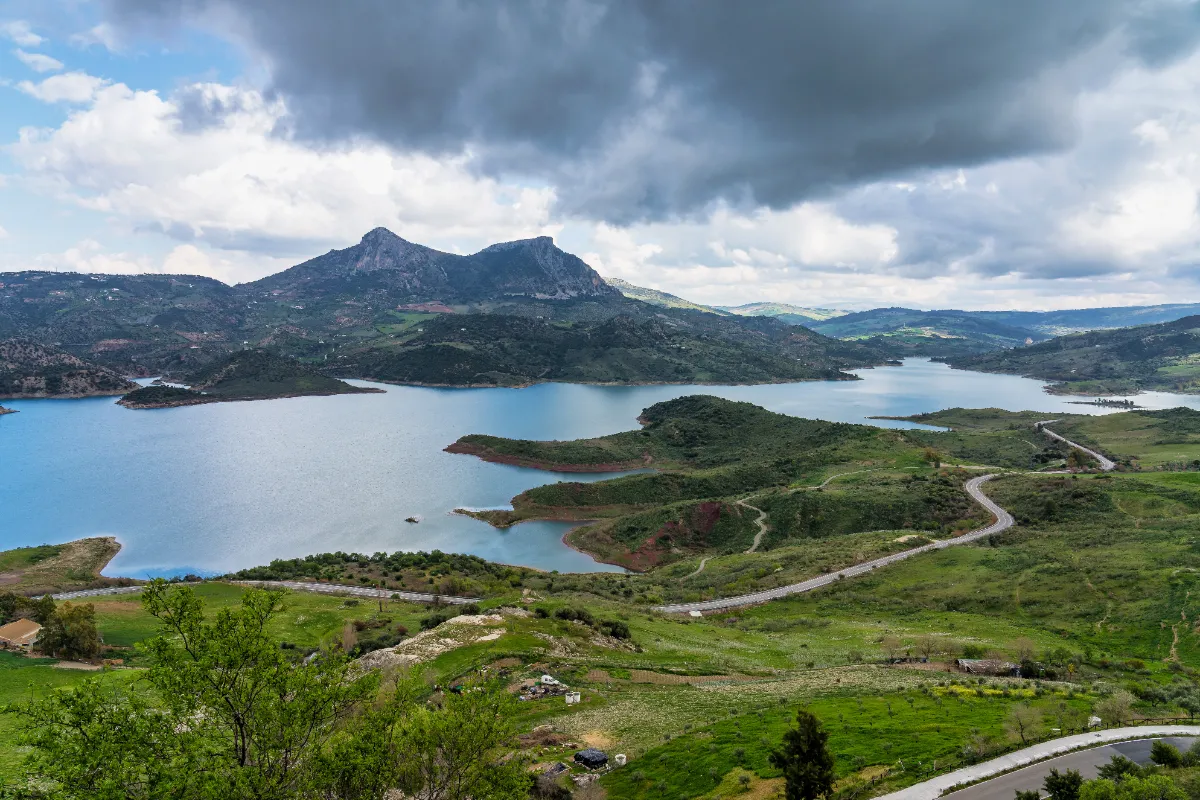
(1114, 220)
(20, 32)
(70, 87)
(209, 166)
(38, 62)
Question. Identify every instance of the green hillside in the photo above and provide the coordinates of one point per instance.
(1162, 357)
(906, 331)
(656, 298)
(784, 312)
(243, 375)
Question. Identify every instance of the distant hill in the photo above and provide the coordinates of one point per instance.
(656, 298)
(29, 369)
(905, 331)
(793, 315)
(953, 333)
(379, 306)
(510, 350)
(1165, 356)
(1057, 323)
(243, 375)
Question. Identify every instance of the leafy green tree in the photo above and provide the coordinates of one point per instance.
(229, 713)
(1116, 708)
(1023, 721)
(1029, 794)
(456, 752)
(71, 632)
(43, 609)
(805, 760)
(1063, 785)
(1119, 768)
(1165, 754)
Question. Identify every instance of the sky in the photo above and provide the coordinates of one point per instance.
(1030, 154)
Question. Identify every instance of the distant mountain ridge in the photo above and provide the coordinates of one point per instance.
(386, 308)
(384, 263)
(794, 315)
(657, 298)
(1118, 361)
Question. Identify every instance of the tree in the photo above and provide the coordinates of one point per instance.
(454, 752)
(933, 457)
(805, 760)
(1115, 709)
(1119, 768)
(1024, 648)
(1063, 785)
(1165, 754)
(928, 646)
(71, 632)
(1029, 794)
(1023, 720)
(41, 609)
(231, 715)
(892, 646)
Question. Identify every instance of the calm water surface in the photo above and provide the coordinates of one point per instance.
(220, 487)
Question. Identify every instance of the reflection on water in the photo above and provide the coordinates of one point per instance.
(218, 487)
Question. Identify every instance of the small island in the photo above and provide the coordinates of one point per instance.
(244, 375)
(4, 411)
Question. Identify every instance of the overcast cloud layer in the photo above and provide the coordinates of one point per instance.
(1036, 153)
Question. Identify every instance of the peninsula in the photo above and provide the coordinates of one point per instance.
(243, 375)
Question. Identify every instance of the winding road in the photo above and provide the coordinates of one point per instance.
(1003, 521)
(1106, 464)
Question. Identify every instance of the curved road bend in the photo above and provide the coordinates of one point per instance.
(298, 586)
(1106, 463)
(1003, 522)
(1119, 741)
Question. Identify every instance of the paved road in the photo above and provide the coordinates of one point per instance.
(1106, 463)
(1003, 522)
(1087, 762)
(297, 586)
(932, 789)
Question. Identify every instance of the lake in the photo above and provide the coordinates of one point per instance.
(214, 488)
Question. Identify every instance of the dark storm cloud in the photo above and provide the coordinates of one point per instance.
(651, 109)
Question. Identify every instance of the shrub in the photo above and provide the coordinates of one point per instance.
(576, 615)
(1165, 754)
(615, 628)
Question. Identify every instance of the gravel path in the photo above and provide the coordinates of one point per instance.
(932, 789)
(697, 570)
(761, 522)
(297, 586)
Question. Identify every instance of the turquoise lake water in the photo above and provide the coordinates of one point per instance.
(219, 487)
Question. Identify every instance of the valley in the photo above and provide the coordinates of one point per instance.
(1090, 592)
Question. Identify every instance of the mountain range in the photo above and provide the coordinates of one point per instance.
(389, 309)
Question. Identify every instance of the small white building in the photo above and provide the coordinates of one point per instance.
(573, 698)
